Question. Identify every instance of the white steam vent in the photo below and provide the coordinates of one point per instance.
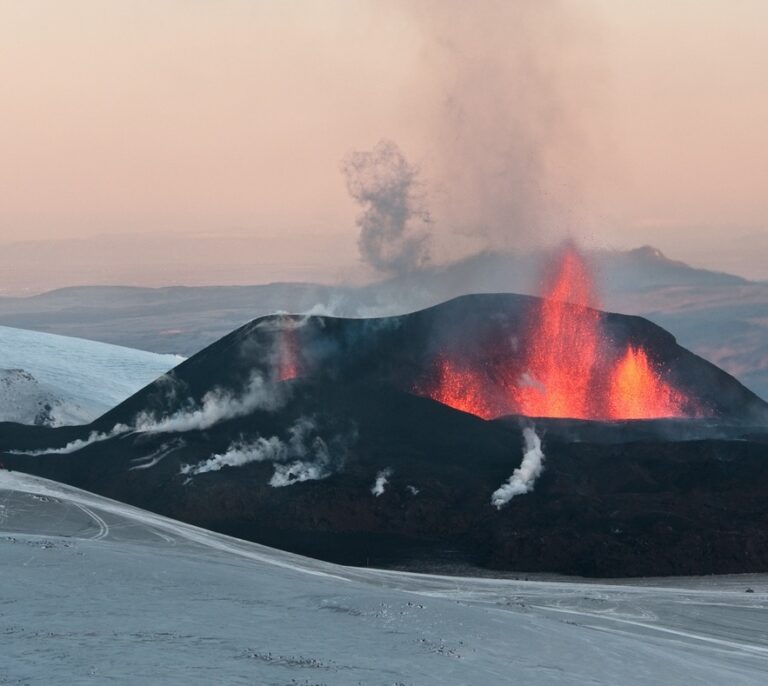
(382, 479)
(524, 477)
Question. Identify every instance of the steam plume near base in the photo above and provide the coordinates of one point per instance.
(304, 456)
(382, 479)
(524, 477)
(217, 406)
(80, 443)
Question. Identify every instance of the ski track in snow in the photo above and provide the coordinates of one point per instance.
(231, 611)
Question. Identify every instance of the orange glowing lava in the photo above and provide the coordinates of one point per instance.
(638, 392)
(288, 354)
(461, 388)
(564, 348)
(568, 367)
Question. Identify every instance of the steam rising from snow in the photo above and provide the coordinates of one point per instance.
(382, 479)
(524, 477)
(394, 236)
(305, 456)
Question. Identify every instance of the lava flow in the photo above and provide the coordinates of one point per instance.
(568, 367)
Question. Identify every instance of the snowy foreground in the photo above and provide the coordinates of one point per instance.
(55, 380)
(94, 591)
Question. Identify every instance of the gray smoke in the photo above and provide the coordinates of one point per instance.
(524, 477)
(513, 94)
(394, 226)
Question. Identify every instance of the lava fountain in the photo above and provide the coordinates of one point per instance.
(288, 354)
(564, 349)
(637, 390)
(567, 368)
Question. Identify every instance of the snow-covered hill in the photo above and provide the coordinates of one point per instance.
(55, 380)
(95, 591)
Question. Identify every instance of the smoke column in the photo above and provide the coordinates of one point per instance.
(394, 226)
(524, 477)
(513, 92)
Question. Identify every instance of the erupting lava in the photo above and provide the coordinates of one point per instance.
(565, 347)
(638, 391)
(460, 388)
(287, 363)
(568, 367)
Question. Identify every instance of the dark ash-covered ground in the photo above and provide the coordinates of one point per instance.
(615, 499)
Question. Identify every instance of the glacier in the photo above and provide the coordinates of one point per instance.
(56, 380)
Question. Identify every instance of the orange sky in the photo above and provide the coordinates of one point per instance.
(647, 119)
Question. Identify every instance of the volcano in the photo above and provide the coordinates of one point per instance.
(565, 362)
(332, 437)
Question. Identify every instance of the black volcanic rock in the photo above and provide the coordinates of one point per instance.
(401, 351)
(615, 499)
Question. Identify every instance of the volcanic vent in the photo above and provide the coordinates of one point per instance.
(277, 432)
(564, 363)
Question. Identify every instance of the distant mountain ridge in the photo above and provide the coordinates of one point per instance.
(696, 305)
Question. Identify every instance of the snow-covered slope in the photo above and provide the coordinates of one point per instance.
(55, 380)
(95, 591)
(25, 400)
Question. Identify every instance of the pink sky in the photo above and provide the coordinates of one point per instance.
(230, 117)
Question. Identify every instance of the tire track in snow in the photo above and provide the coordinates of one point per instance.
(723, 643)
(103, 531)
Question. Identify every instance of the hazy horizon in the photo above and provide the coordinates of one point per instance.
(224, 126)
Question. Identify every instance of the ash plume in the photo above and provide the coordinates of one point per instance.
(513, 94)
(524, 477)
(394, 226)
